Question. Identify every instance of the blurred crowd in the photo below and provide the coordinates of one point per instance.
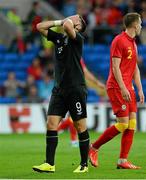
(104, 21)
(103, 17)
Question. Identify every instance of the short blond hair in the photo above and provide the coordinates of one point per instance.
(130, 18)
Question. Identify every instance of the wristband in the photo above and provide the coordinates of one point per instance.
(58, 23)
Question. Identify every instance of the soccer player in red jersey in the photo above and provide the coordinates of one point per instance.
(123, 69)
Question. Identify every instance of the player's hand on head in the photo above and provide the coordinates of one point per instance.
(64, 20)
(74, 18)
(141, 96)
(68, 21)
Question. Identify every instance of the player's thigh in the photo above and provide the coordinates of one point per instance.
(57, 106)
(53, 121)
(76, 102)
(132, 115)
(123, 119)
(119, 105)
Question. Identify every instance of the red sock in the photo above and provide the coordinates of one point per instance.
(64, 124)
(108, 134)
(68, 124)
(126, 143)
(73, 132)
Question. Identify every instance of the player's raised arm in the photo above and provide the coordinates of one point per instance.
(45, 25)
(74, 24)
(68, 27)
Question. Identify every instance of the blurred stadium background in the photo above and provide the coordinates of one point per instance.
(26, 80)
(27, 59)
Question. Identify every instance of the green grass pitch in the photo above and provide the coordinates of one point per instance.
(18, 153)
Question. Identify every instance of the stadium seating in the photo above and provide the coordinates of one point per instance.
(92, 96)
(96, 58)
(2, 49)
(11, 57)
(5, 100)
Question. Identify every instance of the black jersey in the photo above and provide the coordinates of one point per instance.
(68, 70)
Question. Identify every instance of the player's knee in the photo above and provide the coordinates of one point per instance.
(80, 125)
(121, 127)
(80, 128)
(132, 124)
(51, 125)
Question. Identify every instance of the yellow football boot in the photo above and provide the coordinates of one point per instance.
(45, 167)
(81, 169)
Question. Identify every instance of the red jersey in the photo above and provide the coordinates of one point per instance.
(123, 47)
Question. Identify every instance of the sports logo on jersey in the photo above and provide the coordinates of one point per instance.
(124, 107)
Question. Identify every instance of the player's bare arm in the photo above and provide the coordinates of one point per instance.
(118, 76)
(137, 80)
(73, 24)
(89, 76)
(68, 27)
(43, 26)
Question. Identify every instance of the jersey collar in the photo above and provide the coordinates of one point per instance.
(127, 36)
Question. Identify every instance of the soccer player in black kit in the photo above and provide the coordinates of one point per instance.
(69, 92)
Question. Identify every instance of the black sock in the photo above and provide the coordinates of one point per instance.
(84, 147)
(51, 144)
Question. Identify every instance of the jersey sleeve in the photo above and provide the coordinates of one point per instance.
(53, 36)
(116, 48)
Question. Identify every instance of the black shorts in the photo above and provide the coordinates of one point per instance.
(71, 99)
